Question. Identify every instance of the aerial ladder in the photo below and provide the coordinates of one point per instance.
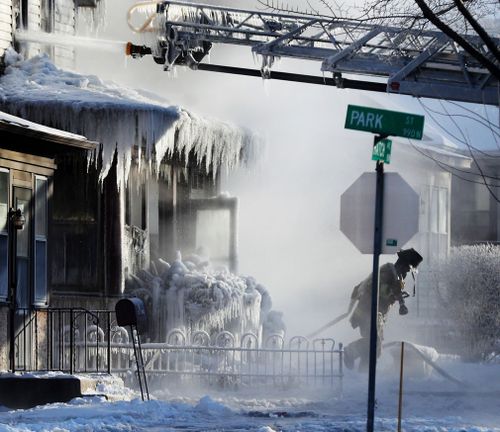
(388, 59)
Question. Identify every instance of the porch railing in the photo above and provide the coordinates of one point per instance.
(64, 339)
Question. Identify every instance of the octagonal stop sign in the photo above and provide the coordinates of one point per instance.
(400, 214)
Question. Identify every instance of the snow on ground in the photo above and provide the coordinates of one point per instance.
(431, 404)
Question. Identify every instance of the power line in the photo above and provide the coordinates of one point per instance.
(445, 168)
(472, 156)
(429, 111)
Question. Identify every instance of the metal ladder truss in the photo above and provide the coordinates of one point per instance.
(413, 62)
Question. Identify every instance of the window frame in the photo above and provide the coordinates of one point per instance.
(42, 300)
(4, 233)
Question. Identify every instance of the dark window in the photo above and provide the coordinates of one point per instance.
(47, 16)
(24, 14)
(40, 297)
(4, 239)
(22, 198)
(135, 211)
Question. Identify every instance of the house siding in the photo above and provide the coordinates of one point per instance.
(38, 18)
(64, 24)
(5, 25)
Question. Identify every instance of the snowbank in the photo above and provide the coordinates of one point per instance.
(117, 117)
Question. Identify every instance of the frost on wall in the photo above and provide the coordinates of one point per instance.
(118, 118)
(191, 295)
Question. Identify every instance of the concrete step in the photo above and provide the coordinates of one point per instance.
(26, 390)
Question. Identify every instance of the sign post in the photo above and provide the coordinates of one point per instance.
(383, 123)
(377, 249)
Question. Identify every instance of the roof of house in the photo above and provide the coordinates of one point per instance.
(18, 125)
(118, 118)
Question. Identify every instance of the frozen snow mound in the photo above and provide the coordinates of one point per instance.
(190, 295)
(119, 118)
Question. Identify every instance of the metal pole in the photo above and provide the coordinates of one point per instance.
(293, 77)
(136, 355)
(400, 405)
(377, 249)
(142, 364)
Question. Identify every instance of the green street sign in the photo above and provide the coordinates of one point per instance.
(384, 122)
(382, 151)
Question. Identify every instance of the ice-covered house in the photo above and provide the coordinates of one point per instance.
(143, 186)
(151, 189)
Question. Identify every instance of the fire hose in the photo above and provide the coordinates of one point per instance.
(425, 358)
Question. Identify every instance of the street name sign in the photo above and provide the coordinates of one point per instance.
(400, 218)
(384, 122)
(382, 151)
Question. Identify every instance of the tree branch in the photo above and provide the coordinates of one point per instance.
(478, 28)
(481, 58)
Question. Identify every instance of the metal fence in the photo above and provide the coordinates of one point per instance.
(64, 339)
(222, 361)
(78, 340)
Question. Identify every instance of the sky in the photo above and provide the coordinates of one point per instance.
(289, 237)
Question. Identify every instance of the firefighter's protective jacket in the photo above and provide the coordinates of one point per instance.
(390, 290)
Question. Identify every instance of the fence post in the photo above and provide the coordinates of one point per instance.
(109, 341)
(71, 340)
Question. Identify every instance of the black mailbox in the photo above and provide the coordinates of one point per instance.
(130, 312)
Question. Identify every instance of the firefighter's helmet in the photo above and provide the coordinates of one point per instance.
(410, 257)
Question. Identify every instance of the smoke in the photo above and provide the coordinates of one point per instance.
(289, 236)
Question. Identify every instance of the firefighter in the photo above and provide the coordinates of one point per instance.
(391, 289)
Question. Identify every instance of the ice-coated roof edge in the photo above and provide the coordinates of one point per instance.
(119, 118)
(19, 125)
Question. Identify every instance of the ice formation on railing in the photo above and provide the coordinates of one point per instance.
(118, 118)
(191, 295)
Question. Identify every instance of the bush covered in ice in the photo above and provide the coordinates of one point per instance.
(471, 299)
(191, 295)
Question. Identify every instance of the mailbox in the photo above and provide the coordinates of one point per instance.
(131, 312)
(86, 3)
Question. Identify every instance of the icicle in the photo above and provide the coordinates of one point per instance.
(119, 118)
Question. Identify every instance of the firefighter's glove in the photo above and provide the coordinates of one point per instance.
(403, 310)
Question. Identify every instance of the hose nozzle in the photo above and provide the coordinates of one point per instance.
(136, 51)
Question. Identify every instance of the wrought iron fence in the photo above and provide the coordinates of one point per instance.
(78, 340)
(225, 361)
(64, 339)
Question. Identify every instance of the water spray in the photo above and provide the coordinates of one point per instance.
(44, 38)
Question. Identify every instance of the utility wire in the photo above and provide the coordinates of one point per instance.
(472, 156)
(429, 111)
(463, 170)
(445, 167)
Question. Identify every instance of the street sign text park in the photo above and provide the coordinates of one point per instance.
(384, 122)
